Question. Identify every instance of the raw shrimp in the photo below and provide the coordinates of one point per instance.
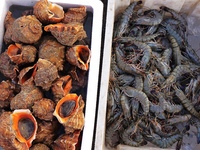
(138, 95)
(139, 83)
(125, 106)
(124, 20)
(178, 119)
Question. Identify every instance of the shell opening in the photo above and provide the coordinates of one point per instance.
(67, 108)
(67, 85)
(56, 11)
(29, 74)
(83, 53)
(14, 50)
(26, 128)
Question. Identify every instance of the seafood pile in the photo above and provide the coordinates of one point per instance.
(44, 69)
(154, 84)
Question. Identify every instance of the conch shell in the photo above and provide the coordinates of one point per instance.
(79, 56)
(69, 112)
(21, 54)
(7, 68)
(67, 34)
(46, 132)
(48, 12)
(52, 51)
(43, 109)
(26, 29)
(18, 129)
(46, 73)
(7, 93)
(8, 22)
(67, 141)
(75, 15)
(25, 99)
(61, 87)
(39, 146)
(26, 75)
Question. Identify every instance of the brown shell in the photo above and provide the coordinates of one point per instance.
(52, 51)
(61, 87)
(22, 118)
(7, 68)
(71, 116)
(46, 132)
(76, 121)
(26, 29)
(66, 107)
(67, 34)
(43, 109)
(67, 141)
(21, 54)
(26, 75)
(79, 56)
(46, 73)
(6, 90)
(39, 146)
(8, 22)
(9, 139)
(48, 12)
(75, 15)
(26, 98)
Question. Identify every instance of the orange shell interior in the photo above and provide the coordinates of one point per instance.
(13, 49)
(68, 97)
(78, 49)
(15, 120)
(68, 85)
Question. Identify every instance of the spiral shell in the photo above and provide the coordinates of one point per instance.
(26, 98)
(52, 51)
(39, 146)
(43, 109)
(26, 75)
(26, 29)
(69, 112)
(21, 54)
(7, 68)
(48, 12)
(8, 22)
(79, 56)
(46, 73)
(18, 129)
(67, 34)
(75, 15)
(67, 141)
(61, 87)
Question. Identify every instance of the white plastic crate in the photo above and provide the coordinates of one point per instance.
(96, 8)
(190, 7)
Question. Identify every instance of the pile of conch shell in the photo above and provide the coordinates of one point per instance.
(43, 77)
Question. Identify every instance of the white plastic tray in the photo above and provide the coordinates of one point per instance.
(191, 7)
(96, 7)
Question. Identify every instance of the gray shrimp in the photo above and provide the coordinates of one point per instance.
(166, 55)
(158, 77)
(163, 67)
(186, 102)
(148, 84)
(196, 123)
(129, 68)
(157, 128)
(125, 79)
(143, 38)
(177, 56)
(163, 142)
(149, 20)
(126, 135)
(138, 84)
(171, 21)
(176, 15)
(134, 104)
(147, 52)
(192, 55)
(139, 96)
(151, 30)
(177, 74)
(112, 136)
(125, 106)
(157, 110)
(178, 119)
(166, 105)
(124, 20)
(155, 46)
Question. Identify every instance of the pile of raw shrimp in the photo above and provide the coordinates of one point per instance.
(154, 86)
